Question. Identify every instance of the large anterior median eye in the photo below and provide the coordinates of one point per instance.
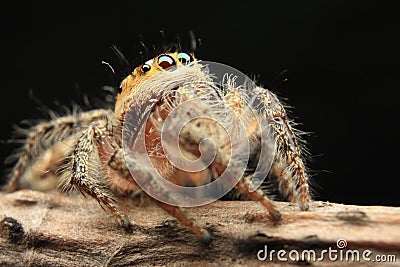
(166, 62)
(185, 58)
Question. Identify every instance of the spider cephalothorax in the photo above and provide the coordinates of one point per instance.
(98, 159)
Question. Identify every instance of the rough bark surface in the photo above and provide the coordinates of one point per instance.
(50, 229)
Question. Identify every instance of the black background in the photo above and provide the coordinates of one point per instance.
(342, 59)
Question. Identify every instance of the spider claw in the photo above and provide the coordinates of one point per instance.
(126, 223)
(207, 239)
(304, 206)
(130, 227)
(276, 215)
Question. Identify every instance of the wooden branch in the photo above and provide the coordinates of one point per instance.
(50, 229)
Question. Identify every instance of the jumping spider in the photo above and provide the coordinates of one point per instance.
(97, 166)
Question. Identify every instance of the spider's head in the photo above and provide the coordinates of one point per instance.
(163, 62)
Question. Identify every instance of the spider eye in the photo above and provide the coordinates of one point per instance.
(146, 67)
(166, 62)
(185, 58)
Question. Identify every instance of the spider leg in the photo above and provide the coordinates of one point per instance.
(119, 164)
(180, 214)
(293, 179)
(296, 169)
(43, 136)
(220, 162)
(258, 195)
(85, 173)
(42, 173)
(286, 185)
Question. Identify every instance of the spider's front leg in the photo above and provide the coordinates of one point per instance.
(289, 166)
(85, 171)
(120, 164)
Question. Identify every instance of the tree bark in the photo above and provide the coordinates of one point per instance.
(50, 229)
